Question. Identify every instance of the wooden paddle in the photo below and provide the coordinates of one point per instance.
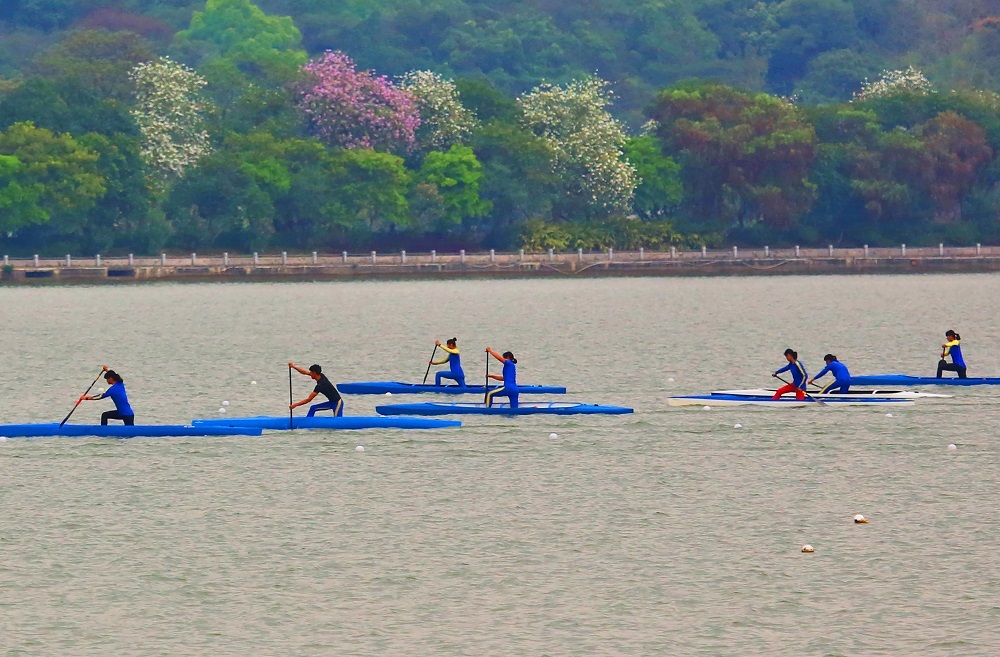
(103, 370)
(808, 396)
(429, 365)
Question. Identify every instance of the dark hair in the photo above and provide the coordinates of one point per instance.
(789, 352)
(510, 356)
(952, 333)
(829, 358)
(315, 369)
(111, 374)
(453, 341)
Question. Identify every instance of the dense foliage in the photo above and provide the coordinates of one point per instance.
(320, 124)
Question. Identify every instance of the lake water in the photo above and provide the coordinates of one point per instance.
(667, 532)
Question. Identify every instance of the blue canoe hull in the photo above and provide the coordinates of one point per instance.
(544, 408)
(906, 380)
(341, 423)
(399, 388)
(119, 431)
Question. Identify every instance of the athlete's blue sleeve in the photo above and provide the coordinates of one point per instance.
(822, 372)
(786, 368)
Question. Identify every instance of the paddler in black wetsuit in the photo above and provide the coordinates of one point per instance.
(323, 387)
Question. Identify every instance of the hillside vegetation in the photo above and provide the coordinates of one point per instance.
(333, 124)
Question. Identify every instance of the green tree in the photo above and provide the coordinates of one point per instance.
(45, 178)
(455, 174)
(661, 188)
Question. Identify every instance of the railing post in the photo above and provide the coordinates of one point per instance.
(642, 253)
(552, 255)
(343, 256)
(940, 249)
(256, 258)
(830, 246)
(284, 257)
(579, 255)
(866, 250)
(673, 252)
(767, 252)
(69, 260)
(225, 258)
(97, 260)
(520, 254)
(902, 248)
(461, 255)
(36, 259)
(611, 254)
(194, 258)
(163, 259)
(797, 251)
(434, 255)
(704, 251)
(493, 255)
(315, 258)
(6, 260)
(131, 260)
(979, 251)
(402, 257)
(374, 258)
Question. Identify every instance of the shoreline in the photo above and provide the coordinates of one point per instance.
(401, 266)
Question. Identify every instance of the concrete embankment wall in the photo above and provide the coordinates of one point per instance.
(315, 266)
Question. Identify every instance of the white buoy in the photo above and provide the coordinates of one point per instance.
(808, 548)
(706, 408)
(737, 426)
(952, 448)
(388, 394)
(553, 436)
(888, 414)
(860, 519)
(225, 403)
(253, 383)
(100, 391)
(359, 448)
(222, 410)
(3, 439)
(671, 379)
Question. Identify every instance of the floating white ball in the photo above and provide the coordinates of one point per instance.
(888, 414)
(553, 436)
(359, 448)
(737, 426)
(225, 403)
(222, 410)
(253, 383)
(388, 394)
(671, 379)
(807, 548)
(952, 448)
(706, 408)
(3, 439)
(860, 519)
(100, 391)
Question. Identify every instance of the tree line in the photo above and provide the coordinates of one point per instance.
(233, 133)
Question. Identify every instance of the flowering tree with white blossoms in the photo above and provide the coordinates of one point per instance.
(444, 121)
(170, 114)
(586, 139)
(910, 81)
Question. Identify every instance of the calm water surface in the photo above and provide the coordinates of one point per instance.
(668, 532)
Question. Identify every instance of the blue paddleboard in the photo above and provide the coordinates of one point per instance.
(346, 422)
(528, 408)
(398, 388)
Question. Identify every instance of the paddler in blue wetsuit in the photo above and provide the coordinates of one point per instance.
(841, 376)
(509, 379)
(334, 402)
(116, 392)
(799, 377)
(454, 361)
(953, 348)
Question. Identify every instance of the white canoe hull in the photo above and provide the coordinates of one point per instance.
(859, 394)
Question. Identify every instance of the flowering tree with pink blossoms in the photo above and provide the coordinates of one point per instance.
(357, 109)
